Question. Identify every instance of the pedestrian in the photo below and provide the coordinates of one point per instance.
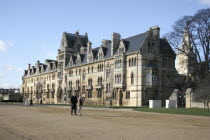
(26, 102)
(74, 104)
(30, 102)
(81, 102)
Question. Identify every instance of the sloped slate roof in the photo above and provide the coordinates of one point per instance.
(135, 42)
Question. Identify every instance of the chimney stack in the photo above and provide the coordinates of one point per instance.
(115, 42)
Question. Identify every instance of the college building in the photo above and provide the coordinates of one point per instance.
(120, 72)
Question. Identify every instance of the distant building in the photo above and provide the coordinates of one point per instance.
(11, 94)
(185, 57)
(122, 72)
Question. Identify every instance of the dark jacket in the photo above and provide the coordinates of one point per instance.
(74, 100)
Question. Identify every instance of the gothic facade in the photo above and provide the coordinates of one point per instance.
(121, 72)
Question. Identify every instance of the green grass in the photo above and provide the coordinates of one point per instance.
(183, 111)
(116, 107)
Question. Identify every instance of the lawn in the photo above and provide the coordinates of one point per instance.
(183, 111)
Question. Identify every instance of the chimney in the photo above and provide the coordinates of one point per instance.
(89, 47)
(156, 31)
(115, 42)
(29, 66)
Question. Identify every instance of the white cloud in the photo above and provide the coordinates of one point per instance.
(1, 75)
(5, 44)
(12, 68)
(8, 85)
(206, 2)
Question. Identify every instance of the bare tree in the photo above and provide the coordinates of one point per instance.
(198, 27)
(202, 93)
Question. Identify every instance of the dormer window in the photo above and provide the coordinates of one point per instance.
(100, 56)
(121, 50)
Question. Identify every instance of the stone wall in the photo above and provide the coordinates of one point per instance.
(189, 100)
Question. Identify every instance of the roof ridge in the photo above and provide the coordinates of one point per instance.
(135, 35)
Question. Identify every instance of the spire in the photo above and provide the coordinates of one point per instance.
(186, 43)
(86, 34)
(77, 33)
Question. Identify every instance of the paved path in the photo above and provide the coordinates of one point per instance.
(55, 123)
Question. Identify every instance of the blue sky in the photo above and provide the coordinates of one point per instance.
(31, 30)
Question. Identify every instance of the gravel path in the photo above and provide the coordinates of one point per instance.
(55, 123)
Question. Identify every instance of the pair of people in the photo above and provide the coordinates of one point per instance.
(30, 102)
(74, 102)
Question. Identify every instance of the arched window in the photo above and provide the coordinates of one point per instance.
(132, 78)
(129, 62)
(135, 61)
(132, 62)
(92, 69)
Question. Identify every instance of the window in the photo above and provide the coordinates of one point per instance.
(100, 67)
(151, 76)
(117, 78)
(90, 82)
(118, 64)
(114, 95)
(154, 76)
(77, 83)
(135, 61)
(88, 69)
(132, 62)
(127, 95)
(148, 77)
(132, 78)
(92, 69)
(70, 83)
(108, 73)
(99, 80)
(89, 93)
(99, 93)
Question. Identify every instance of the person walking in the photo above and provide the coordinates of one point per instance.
(26, 102)
(74, 104)
(81, 102)
(41, 101)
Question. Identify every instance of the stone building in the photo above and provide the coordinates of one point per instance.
(122, 72)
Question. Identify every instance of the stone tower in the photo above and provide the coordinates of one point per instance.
(185, 56)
